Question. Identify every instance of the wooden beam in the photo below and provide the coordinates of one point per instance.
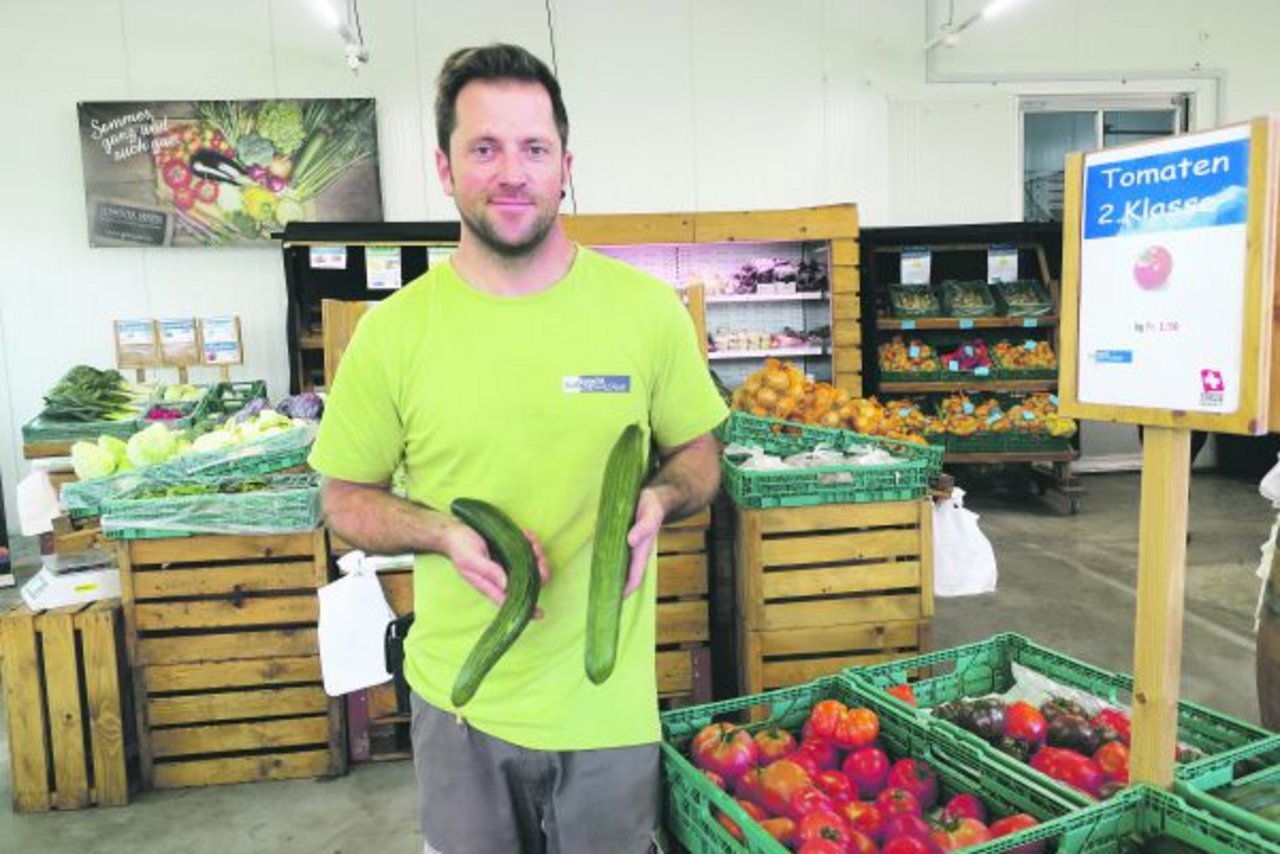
(1162, 554)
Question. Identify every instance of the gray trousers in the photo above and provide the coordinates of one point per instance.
(482, 795)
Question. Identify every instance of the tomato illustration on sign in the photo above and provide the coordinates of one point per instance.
(1153, 267)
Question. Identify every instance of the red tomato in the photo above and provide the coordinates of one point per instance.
(1112, 721)
(959, 833)
(868, 769)
(716, 780)
(1069, 767)
(860, 843)
(1012, 824)
(903, 692)
(725, 749)
(824, 717)
(897, 802)
(966, 805)
(781, 828)
(907, 825)
(1113, 759)
(806, 760)
(1023, 722)
(778, 782)
(732, 826)
(774, 743)
(836, 785)
(916, 777)
(823, 825)
(907, 845)
(825, 754)
(807, 799)
(857, 728)
(748, 785)
(820, 846)
(864, 817)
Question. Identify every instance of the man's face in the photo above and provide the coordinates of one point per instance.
(505, 167)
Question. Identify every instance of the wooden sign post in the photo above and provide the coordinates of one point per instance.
(1169, 282)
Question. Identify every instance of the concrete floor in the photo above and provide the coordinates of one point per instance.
(1065, 581)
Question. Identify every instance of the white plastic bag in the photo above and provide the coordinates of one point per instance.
(353, 620)
(964, 563)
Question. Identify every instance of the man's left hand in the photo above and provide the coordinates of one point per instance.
(642, 536)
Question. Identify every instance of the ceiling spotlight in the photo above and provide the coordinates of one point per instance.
(346, 23)
(950, 35)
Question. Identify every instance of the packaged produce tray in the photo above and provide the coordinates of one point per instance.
(908, 301)
(41, 430)
(987, 667)
(279, 504)
(1241, 786)
(845, 484)
(187, 412)
(229, 398)
(694, 803)
(1023, 298)
(270, 454)
(967, 299)
(1146, 819)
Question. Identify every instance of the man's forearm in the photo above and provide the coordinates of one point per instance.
(375, 521)
(688, 478)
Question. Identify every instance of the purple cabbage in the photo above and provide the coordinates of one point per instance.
(308, 405)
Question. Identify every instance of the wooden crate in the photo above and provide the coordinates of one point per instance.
(71, 741)
(827, 587)
(683, 613)
(221, 633)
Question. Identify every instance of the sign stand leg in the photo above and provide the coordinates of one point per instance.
(1162, 559)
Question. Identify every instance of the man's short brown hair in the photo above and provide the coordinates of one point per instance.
(492, 62)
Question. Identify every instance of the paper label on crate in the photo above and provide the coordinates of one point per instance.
(966, 323)
(1053, 398)
(601, 384)
(904, 413)
(908, 324)
(328, 257)
(913, 351)
(994, 417)
(916, 266)
(1028, 416)
(981, 371)
(1030, 345)
(1029, 323)
(1002, 264)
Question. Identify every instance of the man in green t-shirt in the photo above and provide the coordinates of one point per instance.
(507, 375)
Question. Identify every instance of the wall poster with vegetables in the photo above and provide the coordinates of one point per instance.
(218, 173)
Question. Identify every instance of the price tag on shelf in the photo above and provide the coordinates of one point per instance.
(908, 324)
(968, 408)
(1029, 323)
(1030, 345)
(1053, 398)
(1028, 416)
(981, 372)
(914, 351)
(382, 268)
(966, 323)
(994, 417)
(904, 413)
(328, 257)
(916, 266)
(953, 365)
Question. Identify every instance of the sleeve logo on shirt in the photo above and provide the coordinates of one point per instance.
(597, 384)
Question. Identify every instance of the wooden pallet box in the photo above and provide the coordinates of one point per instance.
(221, 633)
(71, 737)
(683, 633)
(827, 587)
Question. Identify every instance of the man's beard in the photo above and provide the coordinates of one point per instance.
(486, 234)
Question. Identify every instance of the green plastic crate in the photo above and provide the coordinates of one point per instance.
(41, 430)
(911, 301)
(985, 667)
(693, 801)
(229, 398)
(1212, 787)
(903, 481)
(1145, 819)
(289, 503)
(986, 443)
(958, 299)
(1023, 298)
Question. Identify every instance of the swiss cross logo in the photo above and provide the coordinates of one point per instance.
(1211, 380)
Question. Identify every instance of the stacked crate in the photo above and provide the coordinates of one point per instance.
(683, 616)
(221, 635)
(831, 586)
(71, 741)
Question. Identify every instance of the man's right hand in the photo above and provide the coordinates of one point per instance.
(469, 554)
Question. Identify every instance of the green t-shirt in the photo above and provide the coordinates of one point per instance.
(518, 401)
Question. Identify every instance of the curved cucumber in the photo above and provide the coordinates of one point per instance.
(509, 547)
(610, 554)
